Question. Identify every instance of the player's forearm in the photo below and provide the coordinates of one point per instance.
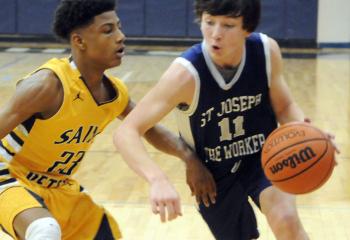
(167, 142)
(290, 114)
(130, 146)
(8, 121)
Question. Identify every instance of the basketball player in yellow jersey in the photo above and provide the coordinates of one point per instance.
(51, 121)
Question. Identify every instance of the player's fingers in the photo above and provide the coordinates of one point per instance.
(335, 162)
(212, 197)
(307, 120)
(198, 199)
(337, 150)
(162, 212)
(192, 189)
(177, 207)
(154, 207)
(212, 193)
(171, 211)
(331, 138)
(205, 200)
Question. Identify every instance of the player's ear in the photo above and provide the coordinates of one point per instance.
(78, 41)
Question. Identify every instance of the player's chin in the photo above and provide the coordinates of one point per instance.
(115, 62)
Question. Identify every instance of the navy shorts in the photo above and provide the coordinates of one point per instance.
(232, 216)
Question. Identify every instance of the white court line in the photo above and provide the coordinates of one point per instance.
(17, 50)
(164, 53)
(54, 50)
(126, 77)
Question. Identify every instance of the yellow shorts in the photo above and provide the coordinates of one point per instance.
(79, 217)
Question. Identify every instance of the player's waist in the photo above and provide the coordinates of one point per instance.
(46, 180)
(234, 166)
(39, 178)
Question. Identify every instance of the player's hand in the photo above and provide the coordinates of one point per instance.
(331, 138)
(201, 182)
(165, 200)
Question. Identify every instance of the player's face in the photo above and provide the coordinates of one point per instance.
(104, 40)
(224, 37)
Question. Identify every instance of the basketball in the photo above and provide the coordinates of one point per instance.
(297, 158)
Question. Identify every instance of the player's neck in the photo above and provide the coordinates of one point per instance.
(91, 73)
(230, 61)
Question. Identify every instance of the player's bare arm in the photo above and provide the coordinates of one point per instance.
(127, 139)
(199, 179)
(40, 94)
(161, 138)
(150, 110)
(284, 106)
(176, 86)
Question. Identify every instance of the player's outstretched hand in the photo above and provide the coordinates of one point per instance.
(201, 182)
(165, 200)
(331, 138)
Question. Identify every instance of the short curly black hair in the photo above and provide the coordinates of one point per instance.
(248, 9)
(73, 14)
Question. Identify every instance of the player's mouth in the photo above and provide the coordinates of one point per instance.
(120, 52)
(215, 48)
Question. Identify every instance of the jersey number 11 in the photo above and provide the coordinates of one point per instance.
(226, 134)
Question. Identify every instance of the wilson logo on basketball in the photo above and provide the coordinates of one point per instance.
(293, 160)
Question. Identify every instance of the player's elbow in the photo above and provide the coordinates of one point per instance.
(119, 137)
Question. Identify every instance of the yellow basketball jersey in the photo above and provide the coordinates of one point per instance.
(47, 152)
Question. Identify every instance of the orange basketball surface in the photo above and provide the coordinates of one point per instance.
(297, 158)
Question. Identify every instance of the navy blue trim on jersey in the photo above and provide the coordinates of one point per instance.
(4, 172)
(7, 181)
(104, 231)
(16, 138)
(6, 149)
(4, 230)
(28, 124)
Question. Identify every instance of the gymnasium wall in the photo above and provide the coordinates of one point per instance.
(334, 23)
(290, 21)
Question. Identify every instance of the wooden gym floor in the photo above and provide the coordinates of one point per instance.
(320, 82)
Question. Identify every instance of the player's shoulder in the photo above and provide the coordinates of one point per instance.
(270, 44)
(190, 59)
(41, 79)
(275, 50)
(43, 82)
(262, 37)
(195, 48)
(273, 44)
(181, 71)
(39, 92)
(192, 53)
